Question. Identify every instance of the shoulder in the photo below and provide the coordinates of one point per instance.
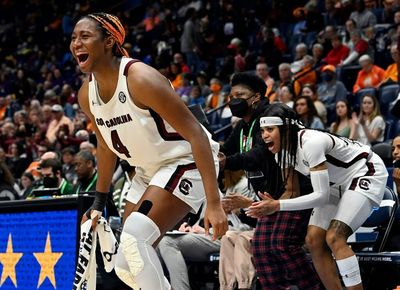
(141, 75)
(309, 137)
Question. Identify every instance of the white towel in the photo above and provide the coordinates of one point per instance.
(85, 274)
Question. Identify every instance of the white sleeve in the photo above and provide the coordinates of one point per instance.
(352, 57)
(319, 197)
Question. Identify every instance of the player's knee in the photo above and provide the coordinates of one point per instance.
(314, 242)
(139, 233)
(334, 240)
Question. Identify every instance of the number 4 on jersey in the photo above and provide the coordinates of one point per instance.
(117, 144)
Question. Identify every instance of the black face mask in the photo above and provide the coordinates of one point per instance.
(50, 182)
(239, 107)
(327, 77)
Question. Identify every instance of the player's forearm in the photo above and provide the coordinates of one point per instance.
(205, 164)
(105, 165)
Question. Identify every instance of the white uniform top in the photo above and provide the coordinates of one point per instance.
(139, 136)
(346, 159)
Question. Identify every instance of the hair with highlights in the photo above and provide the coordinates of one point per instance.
(110, 25)
(288, 132)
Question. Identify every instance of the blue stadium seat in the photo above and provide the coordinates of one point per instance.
(396, 128)
(384, 151)
(387, 95)
(389, 129)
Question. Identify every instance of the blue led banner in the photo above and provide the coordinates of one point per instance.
(37, 250)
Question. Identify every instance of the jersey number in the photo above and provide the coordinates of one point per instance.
(117, 144)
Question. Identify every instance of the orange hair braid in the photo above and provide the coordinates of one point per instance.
(113, 26)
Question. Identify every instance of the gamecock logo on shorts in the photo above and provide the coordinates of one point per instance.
(122, 97)
(185, 186)
(364, 183)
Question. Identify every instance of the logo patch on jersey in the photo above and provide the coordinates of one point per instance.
(185, 186)
(306, 163)
(122, 97)
(364, 183)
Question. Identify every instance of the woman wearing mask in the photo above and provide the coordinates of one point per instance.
(217, 97)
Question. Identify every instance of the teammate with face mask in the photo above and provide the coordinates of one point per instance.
(247, 102)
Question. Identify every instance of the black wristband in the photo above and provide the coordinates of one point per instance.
(100, 200)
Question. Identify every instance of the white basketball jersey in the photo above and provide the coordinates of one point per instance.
(139, 136)
(346, 159)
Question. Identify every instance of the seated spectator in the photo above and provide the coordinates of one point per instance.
(338, 53)
(360, 47)
(330, 90)
(184, 90)
(59, 119)
(307, 74)
(201, 79)
(286, 96)
(8, 187)
(391, 73)
(307, 113)
(195, 97)
(370, 125)
(18, 161)
(310, 91)
(68, 168)
(343, 125)
(285, 78)
(263, 73)
(396, 162)
(236, 268)
(317, 53)
(51, 171)
(217, 96)
(370, 75)
(176, 75)
(86, 145)
(85, 168)
(178, 58)
(26, 184)
(350, 26)
(300, 51)
(362, 16)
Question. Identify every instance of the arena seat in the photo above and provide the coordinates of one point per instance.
(384, 151)
(376, 260)
(387, 95)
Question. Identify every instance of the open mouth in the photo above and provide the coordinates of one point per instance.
(269, 144)
(82, 58)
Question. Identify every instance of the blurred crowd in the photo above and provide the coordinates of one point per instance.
(330, 60)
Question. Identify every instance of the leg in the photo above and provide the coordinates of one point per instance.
(171, 254)
(288, 235)
(322, 257)
(141, 232)
(353, 210)
(266, 262)
(244, 268)
(227, 279)
(316, 242)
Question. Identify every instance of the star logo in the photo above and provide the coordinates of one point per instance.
(9, 260)
(47, 261)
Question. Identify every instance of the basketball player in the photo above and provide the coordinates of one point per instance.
(348, 180)
(139, 118)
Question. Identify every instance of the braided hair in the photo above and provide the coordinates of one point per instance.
(288, 132)
(110, 25)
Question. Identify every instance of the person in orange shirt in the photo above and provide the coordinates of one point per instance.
(217, 97)
(307, 74)
(370, 75)
(391, 71)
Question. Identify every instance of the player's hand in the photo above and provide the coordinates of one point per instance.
(94, 215)
(266, 206)
(235, 201)
(185, 228)
(215, 216)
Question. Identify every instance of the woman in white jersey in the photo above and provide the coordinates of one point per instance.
(348, 180)
(138, 117)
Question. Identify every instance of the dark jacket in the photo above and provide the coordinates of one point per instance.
(259, 163)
